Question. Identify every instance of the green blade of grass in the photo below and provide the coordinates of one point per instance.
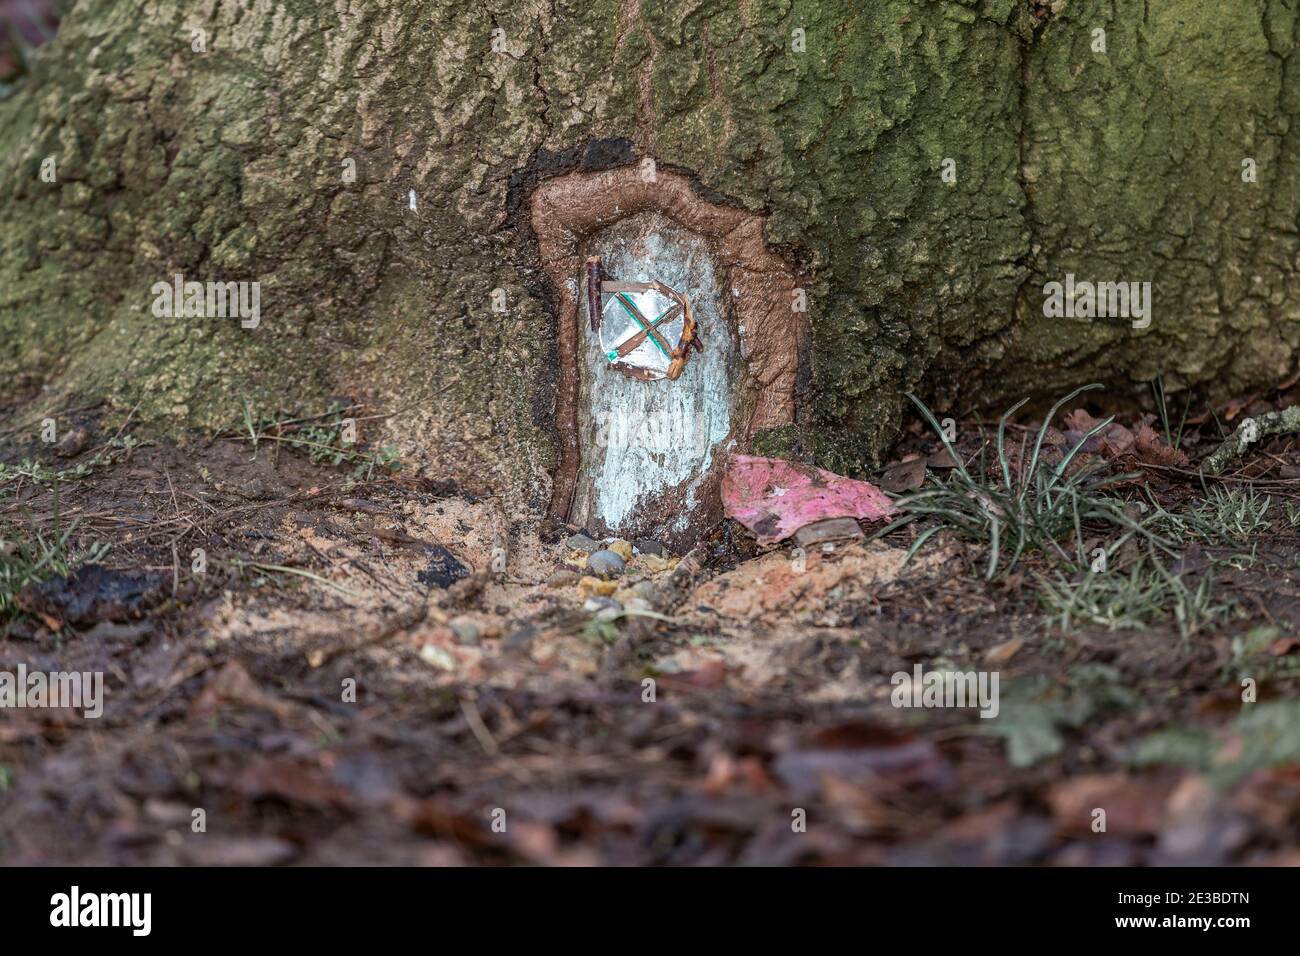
(1047, 421)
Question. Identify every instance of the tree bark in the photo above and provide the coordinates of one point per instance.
(1118, 155)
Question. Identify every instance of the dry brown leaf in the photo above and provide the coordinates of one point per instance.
(1134, 805)
(1003, 652)
(1284, 645)
(1114, 440)
(1153, 450)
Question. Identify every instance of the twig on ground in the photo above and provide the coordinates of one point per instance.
(1250, 431)
(282, 569)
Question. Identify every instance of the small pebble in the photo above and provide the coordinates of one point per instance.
(650, 546)
(466, 629)
(653, 563)
(605, 609)
(520, 641)
(621, 547)
(435, 656)
(607, 564)
(580, 542)
(73, 443)
(589, 586)
(642, 591)
(443, 570)
(562, 579)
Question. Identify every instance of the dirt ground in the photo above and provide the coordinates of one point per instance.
(348, 681)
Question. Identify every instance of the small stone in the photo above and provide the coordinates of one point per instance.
(521, 640)
(580, 542)
(654, 564)
(73, 443)
(650, 546)
(589, 586)
(642, 591)
(466, 629)
(605, 609)
(435, 656)
(443, 570)
(562, 578)
(607, 564)
(828, 532)
(621, 547)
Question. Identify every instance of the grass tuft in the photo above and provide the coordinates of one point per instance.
(1045, 501)
(27, 556)
(1040, 507)
(324, 438)
(1135, 597)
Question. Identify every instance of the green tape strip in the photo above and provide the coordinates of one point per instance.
(632, 312)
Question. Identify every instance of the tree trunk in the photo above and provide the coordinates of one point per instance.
(921, 170)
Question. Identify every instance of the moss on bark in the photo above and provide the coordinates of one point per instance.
(229, 164)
